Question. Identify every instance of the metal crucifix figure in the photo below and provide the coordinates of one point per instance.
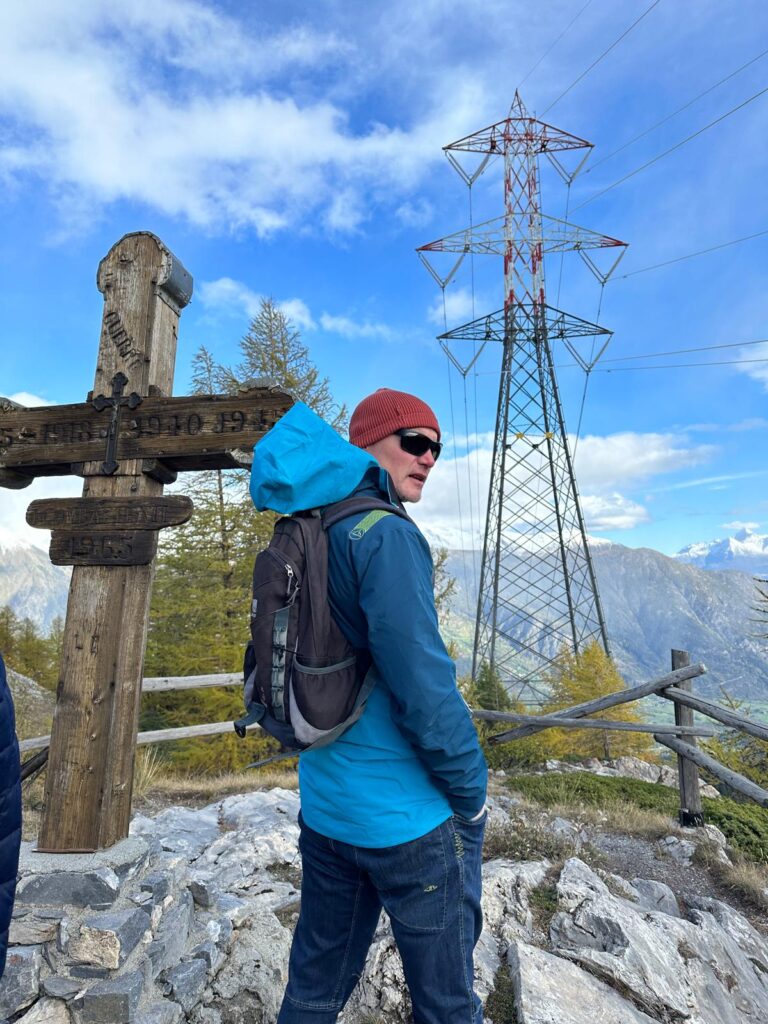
(101, 402)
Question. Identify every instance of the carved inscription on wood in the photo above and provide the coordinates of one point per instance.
(99, 514)
(196, 432)
(126, 547)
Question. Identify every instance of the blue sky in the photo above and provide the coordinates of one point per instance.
(294, 150)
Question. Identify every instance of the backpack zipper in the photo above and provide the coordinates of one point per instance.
(292, 583)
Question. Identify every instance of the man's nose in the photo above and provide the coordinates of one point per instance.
(427, 459)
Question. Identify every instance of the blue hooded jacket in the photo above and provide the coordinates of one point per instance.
(10, 812)
(413, 758)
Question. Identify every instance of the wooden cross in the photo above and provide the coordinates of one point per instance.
(126, 447)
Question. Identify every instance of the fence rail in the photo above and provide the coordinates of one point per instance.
(680, 738)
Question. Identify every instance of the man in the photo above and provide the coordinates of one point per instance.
(392, 811)
(10, 812)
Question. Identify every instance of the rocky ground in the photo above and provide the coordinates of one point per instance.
(583, 925)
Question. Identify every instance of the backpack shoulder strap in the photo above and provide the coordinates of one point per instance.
(333, 514)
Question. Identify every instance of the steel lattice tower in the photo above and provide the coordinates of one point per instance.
(538, 590)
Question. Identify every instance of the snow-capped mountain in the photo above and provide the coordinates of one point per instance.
(746, 551)
(29, 584)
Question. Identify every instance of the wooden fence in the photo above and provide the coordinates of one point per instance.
(681, 738)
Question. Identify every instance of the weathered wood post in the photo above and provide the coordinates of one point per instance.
(127, 440)
(691, 814)
(90, 769)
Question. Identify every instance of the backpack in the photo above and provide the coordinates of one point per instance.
(304, 683)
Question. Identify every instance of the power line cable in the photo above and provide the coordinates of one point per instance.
(672, 149)
(656, 355)
(547, 52)
(674, 113)
(602, 55)
(681, 351)
(689, 256)
(673, 366)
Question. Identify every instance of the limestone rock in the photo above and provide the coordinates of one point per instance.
(97, 888)
(671, 968)
(180, 829)
(112, 1002)
(506, 890)
(681, 850)
(656, 896)
(107, 940)
(47, 1011)
(549, 990)
(34, 928)
(186, 982)
(256, 971)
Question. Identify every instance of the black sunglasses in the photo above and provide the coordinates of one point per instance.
(414, 443)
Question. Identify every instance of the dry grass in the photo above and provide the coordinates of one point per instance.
(147, 769)
(623, 817)
(207, 788)
(746, 879)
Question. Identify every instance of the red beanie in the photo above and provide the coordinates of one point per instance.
(386, 411)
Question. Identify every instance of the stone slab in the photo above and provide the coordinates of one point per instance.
(97, 888)
(20, 984)
(61, 988)
(124, 858)
(32, 929)
(186, 982)
(575, 998)
(47, 1011)
(113, 1002)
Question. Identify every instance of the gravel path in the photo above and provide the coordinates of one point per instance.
(635, 857)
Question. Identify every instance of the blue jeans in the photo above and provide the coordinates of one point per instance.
(431, 891)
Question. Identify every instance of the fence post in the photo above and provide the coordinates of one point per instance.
(691, 814)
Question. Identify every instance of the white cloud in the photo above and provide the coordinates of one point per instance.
(349, 328)
(602, 463)
(27, 399)
(756, 370)
(415, 213)
(298, 312)
(193, 128)
(612, 512)
(13, 506)
(722, 479)
(227, 295)
(457, 309)
(737, 524)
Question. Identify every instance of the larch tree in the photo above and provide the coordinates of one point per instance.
(202, 595)
(580, 677)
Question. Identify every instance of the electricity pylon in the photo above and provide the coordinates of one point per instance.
(538, 590)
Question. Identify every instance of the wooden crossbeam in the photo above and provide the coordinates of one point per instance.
(732, 779)
(558, 722)
(610, 700)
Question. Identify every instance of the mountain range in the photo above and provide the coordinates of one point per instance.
(746, 551)
(29, 584)
(652, 603)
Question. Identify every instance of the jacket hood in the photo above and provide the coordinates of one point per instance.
(303, 463)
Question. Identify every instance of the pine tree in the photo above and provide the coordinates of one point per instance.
(581, 677)
(202, 594)
(488, 692)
